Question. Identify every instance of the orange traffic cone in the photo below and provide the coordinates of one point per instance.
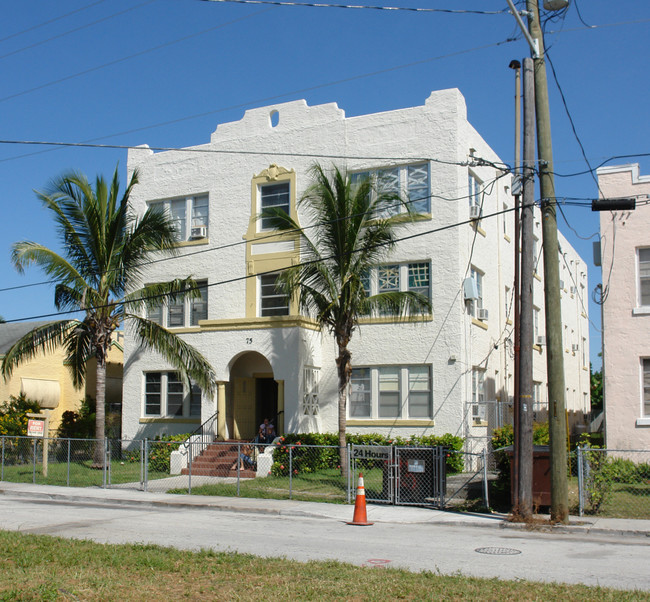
(360, 517)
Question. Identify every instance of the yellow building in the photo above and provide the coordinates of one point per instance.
(47, 380)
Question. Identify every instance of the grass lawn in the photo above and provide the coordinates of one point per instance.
(323, 486)
(38, 567)
(81, 473)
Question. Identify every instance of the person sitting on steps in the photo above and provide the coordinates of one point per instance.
(245, 459)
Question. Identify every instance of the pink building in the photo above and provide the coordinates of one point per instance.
(625, 255)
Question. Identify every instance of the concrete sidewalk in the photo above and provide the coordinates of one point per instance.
(379, 513)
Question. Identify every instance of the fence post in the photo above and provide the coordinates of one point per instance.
(189, 470)
(104, 467)
(239, 460)
(141, 464)
(34, 461)
(290, 470)
(2, 469)
(349, 483)
(486, 497)
(145, 463)
(109, 458)
(67, 477)
(581, 482)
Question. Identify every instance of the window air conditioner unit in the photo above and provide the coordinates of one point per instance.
(474, 211)
(573, 290)
(541, 340)
(574, 348)
(561, 284)
(482, 314)
(199, 232)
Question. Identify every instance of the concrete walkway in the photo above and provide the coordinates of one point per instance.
(378, 513)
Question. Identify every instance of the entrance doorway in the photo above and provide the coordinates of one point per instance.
(254, 396)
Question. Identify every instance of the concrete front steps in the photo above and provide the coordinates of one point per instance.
(216, 461)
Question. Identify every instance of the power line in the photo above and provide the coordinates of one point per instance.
(364, 6)
(243, 242)
(44, 23)
(474, 162)
(128, 57)
(277, 97)
(65, 33)
(573, 126)
(273, 271)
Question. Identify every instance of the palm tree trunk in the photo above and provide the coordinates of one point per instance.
(100, 411)
(344, 367)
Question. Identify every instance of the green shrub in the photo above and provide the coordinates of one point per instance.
(306, 459)
(13, 415)
(160, 451)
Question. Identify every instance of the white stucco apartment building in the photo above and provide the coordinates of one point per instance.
(625, 259)
(444, 373)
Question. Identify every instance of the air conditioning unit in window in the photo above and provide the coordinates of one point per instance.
(561, 284)
(199, 232)
(575, 348)
(541, 340)
(474, 211)
(482, 314)
(573, 290)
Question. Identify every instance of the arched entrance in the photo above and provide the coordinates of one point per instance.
(253, 395)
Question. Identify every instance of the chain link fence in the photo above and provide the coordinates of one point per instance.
(612, 483)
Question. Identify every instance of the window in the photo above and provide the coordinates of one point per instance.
(311, 377)
(181, 312)
(538, 403)
(167, 394)
(478, 394)
(507, 301)
(535, 324)
(584, 352)
(474, 190)
(189, 215)
(273, 302)
(505, 219)
(391, 392)
(646, 388)
(199, 305)
(477, 303)
(644, 276)
(360, 393)
(272, 197)
(408, 182)
(414, 277)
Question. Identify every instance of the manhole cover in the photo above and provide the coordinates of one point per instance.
(498, 551)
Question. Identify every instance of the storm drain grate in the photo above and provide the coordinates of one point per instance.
(498, 551)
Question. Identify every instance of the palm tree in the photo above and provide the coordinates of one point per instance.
(105, 246)
(352, 229)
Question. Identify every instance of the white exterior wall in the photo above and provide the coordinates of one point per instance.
(451, 342)
(626, 323)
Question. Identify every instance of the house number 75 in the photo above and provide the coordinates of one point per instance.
(249, 341)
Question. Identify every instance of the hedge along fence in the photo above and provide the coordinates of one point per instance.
(159, 451)
(311, 452)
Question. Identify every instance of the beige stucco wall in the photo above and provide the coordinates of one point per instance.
(51, 367)
(626, 324)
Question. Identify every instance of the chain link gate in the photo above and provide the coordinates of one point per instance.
(401, 475)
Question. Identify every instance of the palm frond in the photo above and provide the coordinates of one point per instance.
(45, 338)
(182, 356)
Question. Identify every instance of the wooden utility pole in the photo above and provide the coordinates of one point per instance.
(554, 348)
(525, 432)
(516, 65)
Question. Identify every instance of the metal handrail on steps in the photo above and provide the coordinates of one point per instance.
(202, 436)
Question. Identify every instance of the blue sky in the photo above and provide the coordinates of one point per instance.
(166, 72)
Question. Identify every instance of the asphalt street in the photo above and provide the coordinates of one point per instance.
(615, 554)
